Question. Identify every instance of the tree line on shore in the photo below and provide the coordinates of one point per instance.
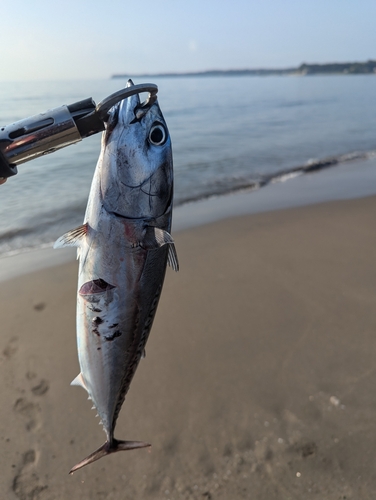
(351, 68)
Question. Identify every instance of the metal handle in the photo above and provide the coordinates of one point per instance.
(60, 127)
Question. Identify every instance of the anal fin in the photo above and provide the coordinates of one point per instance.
(79, 380)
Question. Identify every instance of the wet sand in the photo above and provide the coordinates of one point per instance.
(259, 380)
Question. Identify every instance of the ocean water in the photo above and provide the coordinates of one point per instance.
(228, 133)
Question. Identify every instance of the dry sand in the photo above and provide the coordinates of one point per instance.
(259, 380)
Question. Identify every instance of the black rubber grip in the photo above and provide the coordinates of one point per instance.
(86, 120)
(6, 169)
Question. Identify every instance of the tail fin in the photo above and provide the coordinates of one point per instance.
(106, 449)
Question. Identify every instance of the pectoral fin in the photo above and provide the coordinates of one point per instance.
(157, 238)
(72, 238)
(172, 258)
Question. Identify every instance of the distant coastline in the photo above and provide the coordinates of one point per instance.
(351, 68)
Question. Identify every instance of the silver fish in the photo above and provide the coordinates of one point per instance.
(123, 248)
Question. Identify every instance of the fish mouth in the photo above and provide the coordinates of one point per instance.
(120, 216)
(139, 186)
(130, 109)
(139, 109)
(134, 100)
(124, 110)
(143, 217)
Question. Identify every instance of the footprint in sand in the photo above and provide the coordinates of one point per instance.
(26, 484)
(40, 306)
(30, 411)
(41, 388)
(11, 348)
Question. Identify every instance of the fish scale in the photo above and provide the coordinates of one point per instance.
(124, 246)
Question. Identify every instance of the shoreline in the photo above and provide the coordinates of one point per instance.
(350, 180)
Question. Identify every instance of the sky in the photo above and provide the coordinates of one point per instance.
(46, 40)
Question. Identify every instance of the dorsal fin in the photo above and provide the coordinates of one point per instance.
(72, 238)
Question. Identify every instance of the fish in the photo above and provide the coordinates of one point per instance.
(123, 248)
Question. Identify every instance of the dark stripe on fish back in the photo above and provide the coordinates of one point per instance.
(136, 359)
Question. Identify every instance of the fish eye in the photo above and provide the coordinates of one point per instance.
(157, 134)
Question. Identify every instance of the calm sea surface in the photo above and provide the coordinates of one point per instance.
(227, 133)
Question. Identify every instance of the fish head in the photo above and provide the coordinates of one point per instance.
(136, 174)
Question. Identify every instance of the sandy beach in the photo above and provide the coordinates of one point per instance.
(259, 380)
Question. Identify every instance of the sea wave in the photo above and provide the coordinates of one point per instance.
(227, 185)
(49, 226)
(41, 232)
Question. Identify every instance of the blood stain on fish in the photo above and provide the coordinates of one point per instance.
(97, 321)
(95, 286)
